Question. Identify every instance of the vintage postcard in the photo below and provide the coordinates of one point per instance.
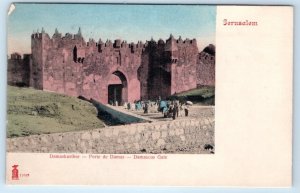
(169, 95)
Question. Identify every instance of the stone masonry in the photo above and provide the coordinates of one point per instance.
(116, 70)
(179, 136)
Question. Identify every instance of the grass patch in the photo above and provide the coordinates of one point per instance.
(33, 111)
(204, 95)
(204, 92)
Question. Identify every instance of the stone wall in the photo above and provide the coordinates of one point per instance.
(179, 136)
(72, 66)
(206, 67)
(18, 70)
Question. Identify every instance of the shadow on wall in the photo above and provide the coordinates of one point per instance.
(112, 117)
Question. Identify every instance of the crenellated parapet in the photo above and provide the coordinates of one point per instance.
(72, 65)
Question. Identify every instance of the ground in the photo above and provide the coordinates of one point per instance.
(33, 111)
(33, 116)
(195, 112)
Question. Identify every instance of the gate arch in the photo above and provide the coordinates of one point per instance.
(117, 88)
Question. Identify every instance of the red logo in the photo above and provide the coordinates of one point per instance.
(15, 173)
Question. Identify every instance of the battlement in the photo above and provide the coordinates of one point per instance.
(73, 65)
(15, 56)
(116, 44)
(18, 56)
(39, 35)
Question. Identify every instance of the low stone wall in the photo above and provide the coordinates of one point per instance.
(178, 136)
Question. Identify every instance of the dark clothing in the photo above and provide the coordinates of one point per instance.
(186, 111)
(174, 113)
(146, 108)
(177, 110)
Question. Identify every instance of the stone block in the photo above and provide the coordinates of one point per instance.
(44, 149)
(125, 139)
(164, 134)
(43, 139)
(58, 138)
(115, 131)
(179, 131)
(163, 126)
(160, 142)
(136, 145)
(137, 137)
(73, 145)
(145, 135)
(128, 146)
(192, 129)
(206, 121)
(193, 123)
(32, 142)
(177, 124)
(155, 135)
(82, 144)
(95, 135)
(186, 130)
(172, 125)
(124, 129)
(132, 130)
(157, 127)
(119, 140)
(90, 144)
(204, 127)
(171, 132)
(182, 138)
(140, 128)
(108, 132)
(182, 124)
(86, 136)
(187, 123)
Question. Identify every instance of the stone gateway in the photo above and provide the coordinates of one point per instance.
(112, 72)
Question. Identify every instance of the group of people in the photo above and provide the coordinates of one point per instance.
(168, 108)
(173, 108)
(140, 105)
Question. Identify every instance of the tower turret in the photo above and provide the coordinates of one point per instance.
(171, 49)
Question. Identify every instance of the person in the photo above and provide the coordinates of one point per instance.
(170, 111)
(146, 106)
(176, 107)
(174, 112)
(186, 110)
(128, 106)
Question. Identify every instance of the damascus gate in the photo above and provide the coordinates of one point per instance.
(113, 71)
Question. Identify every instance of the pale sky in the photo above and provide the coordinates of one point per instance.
(127, 22)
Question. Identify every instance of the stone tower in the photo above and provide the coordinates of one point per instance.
(113, 71)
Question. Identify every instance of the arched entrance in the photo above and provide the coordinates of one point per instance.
(117, 88)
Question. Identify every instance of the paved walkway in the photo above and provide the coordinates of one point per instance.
(195, 112)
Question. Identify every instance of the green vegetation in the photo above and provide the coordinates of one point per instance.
(204, 92)
(35, 112)
(204, 95)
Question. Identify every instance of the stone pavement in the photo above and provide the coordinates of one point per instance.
(195, 112)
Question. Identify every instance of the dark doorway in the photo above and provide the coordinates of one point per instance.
(117, 88)
(115, 94)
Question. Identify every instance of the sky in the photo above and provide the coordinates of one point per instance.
(127, 22)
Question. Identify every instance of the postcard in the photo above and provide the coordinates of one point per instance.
(152, 95)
